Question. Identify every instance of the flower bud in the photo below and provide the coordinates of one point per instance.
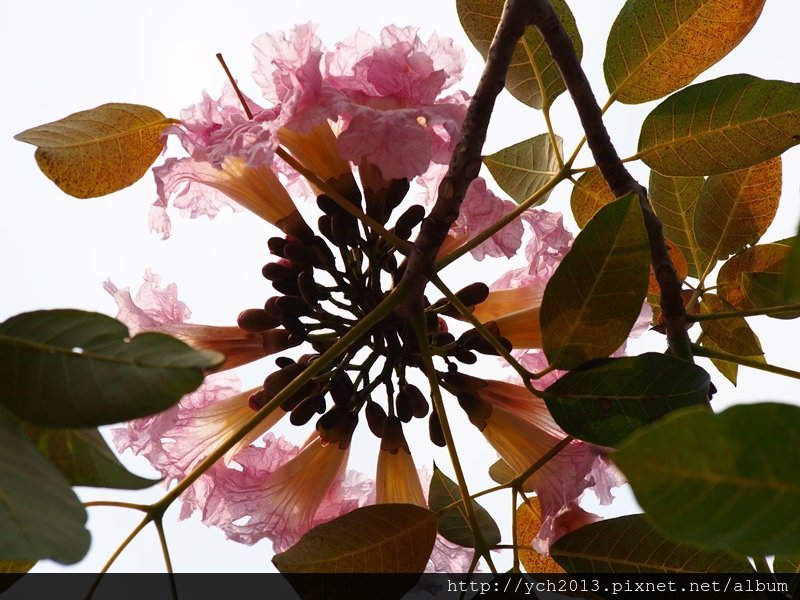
(376, 417)
(256, 320)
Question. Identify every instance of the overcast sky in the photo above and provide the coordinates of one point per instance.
(61, 57)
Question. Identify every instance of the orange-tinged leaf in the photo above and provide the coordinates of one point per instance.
(657, 47)
(529, 522)
(16, 566)
(674, 200)
(99, 151)
(533, 76)
(383, 538)
(590, 194)
(735, 209)
(764, 258)
(722, 125)
(678, 261)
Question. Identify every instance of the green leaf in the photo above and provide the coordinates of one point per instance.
(729, 335)
(604, 401)
(69, 368)
(501, 472)
(40, 515)
(590, 194)
(533, 76)
(674, 199)
(729, 370)
(787, 564)
(524, 168)
(382, 538)
(630, 544)
(84, 458)
(728, 481)
(764, 258)
(655, 48)
(764, 291)
(454, 524)
(721, 125)
(735, 209)
(594, 297)
(99, 151)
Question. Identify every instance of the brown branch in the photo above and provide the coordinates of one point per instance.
(466, 162)
(616, 175)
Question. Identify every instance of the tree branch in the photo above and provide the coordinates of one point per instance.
(616, 175)
(466, 162)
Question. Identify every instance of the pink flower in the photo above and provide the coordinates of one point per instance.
(519, 427)
(281, 491)
(160, 310)
(284, 490)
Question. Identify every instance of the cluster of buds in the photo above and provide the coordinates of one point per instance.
(326, 284)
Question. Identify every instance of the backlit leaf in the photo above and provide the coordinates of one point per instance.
(729, 335)
(605, 401)
(454, 524)
(382, 538)
(16, 566)
(787, 564)
(95, 152)
(764, 258)
(533, 76)
(69, 368)
(655, 48)
(524, 168)
(596, 294)
(590, 194)
(763, 290)
(735, 209)
(40, 515)
(501, 472)
(721, 125)
(726, 481)
(729, 370)
(84, 458)
(630, 544)
(529, 522)
(674, 200)
(791, 282)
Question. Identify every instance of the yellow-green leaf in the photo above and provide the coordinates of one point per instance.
(533, 76)
(729, 335)
(590, 194)
(383, 538)
(99, 151)
(722, 125)
(735, 209)
(524, 168)
(728, 370)
(657, 47)
(594, 297)
(764, 258)
(16, 566)
(764, 291)
(674, 199)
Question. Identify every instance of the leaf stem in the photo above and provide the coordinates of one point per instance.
(751, 312)
(485, 333)
(117, 552)
(167, 561)
(418, 323)
(401, 245)
(116, 504)
(745, 362)
(314, 368)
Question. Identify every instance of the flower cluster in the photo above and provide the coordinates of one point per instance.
(359, 123)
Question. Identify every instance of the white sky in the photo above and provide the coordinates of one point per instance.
(61, 57)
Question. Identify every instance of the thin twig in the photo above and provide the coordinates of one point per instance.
(466, 162)
(614, 172)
